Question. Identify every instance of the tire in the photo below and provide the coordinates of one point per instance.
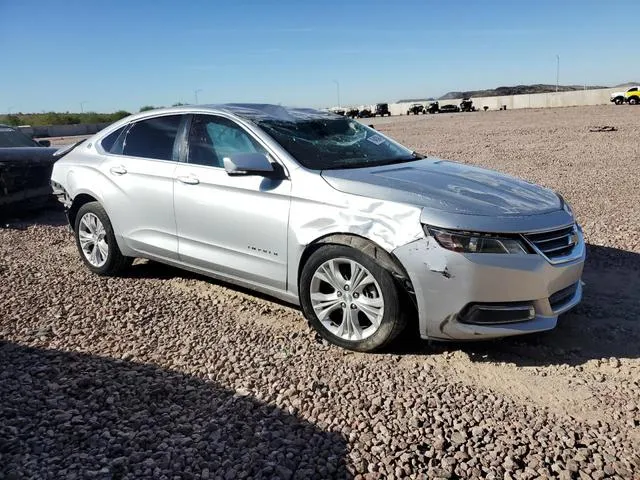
(375, 329)
(618, 100)
(92, 221)
(634, 100)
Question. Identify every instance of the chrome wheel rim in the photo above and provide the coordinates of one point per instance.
(346, 299)
(93, 240)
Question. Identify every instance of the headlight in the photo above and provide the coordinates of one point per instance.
(470, 242)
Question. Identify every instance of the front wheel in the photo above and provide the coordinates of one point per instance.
(96, 241)
(618, 101)
(350, 299)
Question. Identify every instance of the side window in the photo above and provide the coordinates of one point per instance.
(109, 141)
(213, 138)
(634, 89)
(153, 138)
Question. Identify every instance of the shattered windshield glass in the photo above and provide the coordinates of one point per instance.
(332, 143)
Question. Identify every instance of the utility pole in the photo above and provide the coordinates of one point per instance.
(82, 106)
(195, 92)
(557, 72)
(338, 91)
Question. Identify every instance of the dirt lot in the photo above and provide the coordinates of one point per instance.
(168, 375)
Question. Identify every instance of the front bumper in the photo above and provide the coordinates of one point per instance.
(447, 284)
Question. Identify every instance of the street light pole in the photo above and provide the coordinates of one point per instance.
(195, 92)
(338, 90)
(557, 72)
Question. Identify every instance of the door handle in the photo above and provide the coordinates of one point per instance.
(188, 179)
(119, 170)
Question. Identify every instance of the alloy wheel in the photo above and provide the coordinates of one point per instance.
(347, 299)
(93, 240)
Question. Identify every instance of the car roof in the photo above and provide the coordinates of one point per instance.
(256, 112)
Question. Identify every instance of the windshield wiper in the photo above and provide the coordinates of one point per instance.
(376, 163)
(393, 161)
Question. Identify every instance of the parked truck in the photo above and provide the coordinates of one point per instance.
(631, 96)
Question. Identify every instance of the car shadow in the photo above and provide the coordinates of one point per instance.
(606, 323)
(50, 213)
(149, 269)
(69, 414)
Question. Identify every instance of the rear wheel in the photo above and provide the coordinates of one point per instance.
(350, 299)
(634, 100)
(96, 241)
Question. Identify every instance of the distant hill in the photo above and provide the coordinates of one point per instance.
(417, 100)
(516, 90)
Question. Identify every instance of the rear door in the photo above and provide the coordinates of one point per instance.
(139, 199)
(231, 225)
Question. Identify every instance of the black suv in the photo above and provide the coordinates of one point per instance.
(415, 108)
(382, 109)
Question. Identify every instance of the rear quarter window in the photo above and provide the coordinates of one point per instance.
(108, 143)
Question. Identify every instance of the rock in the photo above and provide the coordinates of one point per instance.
(458, 437)
(439, 444)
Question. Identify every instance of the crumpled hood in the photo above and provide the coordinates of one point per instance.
(447, 186)
(27, 155)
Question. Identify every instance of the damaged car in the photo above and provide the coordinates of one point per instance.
(326, 213)
(25, 169)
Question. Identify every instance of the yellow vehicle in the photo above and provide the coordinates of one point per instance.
(631, 96)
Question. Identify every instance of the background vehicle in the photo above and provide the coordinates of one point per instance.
(25, 169)
(382, 109)
(352, 112)
(433, 107)
(631, 96)
(338, 110)
(415, 109)
(467, 105)
(365, 229)
(449, 108)
(364, 111)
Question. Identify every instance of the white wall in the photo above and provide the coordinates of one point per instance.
(534, 100)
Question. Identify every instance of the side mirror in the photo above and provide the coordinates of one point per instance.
(44, 143)
(248, 164)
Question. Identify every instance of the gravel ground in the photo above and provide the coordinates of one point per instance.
(163, 374)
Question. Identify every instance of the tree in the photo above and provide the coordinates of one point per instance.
(12, 120)
(119, 115)
(146, 108)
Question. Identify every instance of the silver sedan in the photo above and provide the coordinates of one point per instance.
(324, 212)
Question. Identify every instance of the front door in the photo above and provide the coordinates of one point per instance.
(235, 226)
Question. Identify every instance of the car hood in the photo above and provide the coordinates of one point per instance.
(27, 155)
(448, 187)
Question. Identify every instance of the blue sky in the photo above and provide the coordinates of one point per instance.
(120, 54)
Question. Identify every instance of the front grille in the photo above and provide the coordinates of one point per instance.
(561, 297)
(554, 244)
